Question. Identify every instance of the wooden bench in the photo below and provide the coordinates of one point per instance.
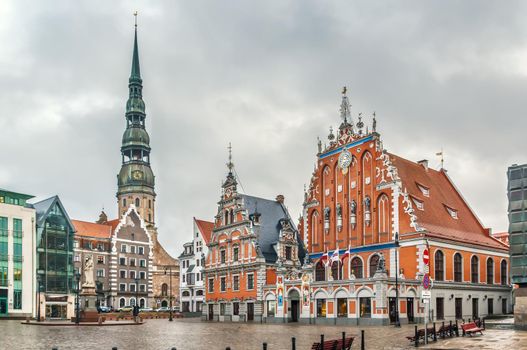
(470, 328)
(448, 330)
(420, 335)
(334, 344)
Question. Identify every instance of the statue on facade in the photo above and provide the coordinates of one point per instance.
(381, 268)
(326, 213)
(88, 272)
(353, 207)
(367, 203)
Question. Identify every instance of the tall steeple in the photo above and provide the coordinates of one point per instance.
(136, 180)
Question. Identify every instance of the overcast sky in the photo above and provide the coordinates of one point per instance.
(266, 76)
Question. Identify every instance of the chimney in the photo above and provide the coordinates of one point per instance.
(424, 163)
(280, 198)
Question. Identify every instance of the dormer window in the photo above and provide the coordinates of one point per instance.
(288, 253)
(419, 204)
(452, 212)
(424, 190)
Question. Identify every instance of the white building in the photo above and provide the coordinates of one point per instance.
(192, 289)
(17, 255)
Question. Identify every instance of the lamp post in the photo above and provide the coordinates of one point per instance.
(397, 323)
(77, 312)
(38, 297)
(170, 292)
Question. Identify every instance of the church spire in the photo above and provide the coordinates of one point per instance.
(230, 181)
(135, 75)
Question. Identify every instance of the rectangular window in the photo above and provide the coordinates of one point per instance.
(76, 258)
(222, 309)
(142, 287)
(365, 307)
(184, 278)
(235, 309)
(235, 253)
(122, 261)
(222, 256)
(490, 304)
(142, 263)
(250, 281)
(236, 282)
(459, 308)
(122, 273)
(321, 307)
(288, 254)
(100, 272)
(17, 300)
(132, 287)
(142, 275)
(223, 284)
(271, 304)
(17, 274)
(75, 244)
(123, 248)
(141, 250)
(440, 308)
(132, 249)
(100, 259)
(342, 307)
(17, 228)
(122, 287)
(211, 285)
(132, 261)
(132, 274)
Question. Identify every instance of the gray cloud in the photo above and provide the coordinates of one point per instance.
(265, 76)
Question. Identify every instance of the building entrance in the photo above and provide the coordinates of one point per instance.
(211, 312)
(295, 308)
(250, 311)
(56, 311)
(3, 306)
(410, 309)
(391, 309)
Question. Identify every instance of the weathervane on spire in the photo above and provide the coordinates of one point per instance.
(135, 15)
(230, 165)
(345, 106)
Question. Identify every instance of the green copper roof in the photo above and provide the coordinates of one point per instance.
(136, 71)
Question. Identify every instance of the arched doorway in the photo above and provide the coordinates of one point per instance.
(293, 298)
(164, 303)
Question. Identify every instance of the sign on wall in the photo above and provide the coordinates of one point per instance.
(280, 292)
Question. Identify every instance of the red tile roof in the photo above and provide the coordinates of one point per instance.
(91, 229)
(113, 223)
(205, 227)
(435, 218)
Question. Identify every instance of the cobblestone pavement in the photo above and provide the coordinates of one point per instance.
(191, 334)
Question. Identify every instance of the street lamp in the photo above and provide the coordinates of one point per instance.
(170, 292)
(397, 323)
(77, 313)
(38, 293)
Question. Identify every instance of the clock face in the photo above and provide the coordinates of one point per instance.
(137, 174)
(345, 159)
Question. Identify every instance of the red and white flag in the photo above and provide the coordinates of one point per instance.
(335, 255)
(324, 258)
(346, 254)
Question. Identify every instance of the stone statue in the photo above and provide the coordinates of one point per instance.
(88, 272)
(367, 203)
(353, 207)
(319, 145)
(381, 268)
(339, 210)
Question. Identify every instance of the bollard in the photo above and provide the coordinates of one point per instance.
(450, 330)
(54, 348)
(264, 346)
(343, 340)
(457, 330)
(483, 323)
(416, 338)
(435, 335)
(443, 333)
(114, 348)
(321, 341)
(228, 348)
(362, 346)
(173, 349)
(293, 343)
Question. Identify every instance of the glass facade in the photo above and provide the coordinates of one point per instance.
(517, 194)
(4, 280)
(55, 252)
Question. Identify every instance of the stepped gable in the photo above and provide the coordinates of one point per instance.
(435, 217)
(91, 229)
(205, 227)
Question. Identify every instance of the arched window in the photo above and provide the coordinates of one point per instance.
(504, 274)
(137, 202)
(164, 303)
(164, 289)
(142, 302)
(132, 301)
(122, 302)
(124, 202)
(383, 222)
(186, 293)
(474, 265)
(356, 267)
(490, 271)
(149, 204)
(314, 227)
(374, 262)
(320, 272)
(458, 268)
(232, 216)
(438, 266)
(226, 221)
(336, 270)
(199, 293)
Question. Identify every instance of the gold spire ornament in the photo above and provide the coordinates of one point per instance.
(135, 15)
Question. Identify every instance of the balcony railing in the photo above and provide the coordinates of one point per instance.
(4, 283)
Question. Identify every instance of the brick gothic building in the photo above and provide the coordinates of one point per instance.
(251, 238)
(359, 199)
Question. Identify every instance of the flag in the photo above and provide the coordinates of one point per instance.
(324, 258)
(347, 253)
(335, 255)
(439, 153)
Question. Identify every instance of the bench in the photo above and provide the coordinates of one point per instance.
(448, 330)
(334, 344)
(420, 335)
(470, 328)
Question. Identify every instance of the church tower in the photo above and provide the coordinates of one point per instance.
(136, 180)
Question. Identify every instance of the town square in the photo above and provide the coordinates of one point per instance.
(274, 175)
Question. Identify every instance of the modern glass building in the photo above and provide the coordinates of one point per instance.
(17, 220)
(517, 193)
(54, 244)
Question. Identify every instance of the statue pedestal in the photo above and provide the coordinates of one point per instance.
(89, 311)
